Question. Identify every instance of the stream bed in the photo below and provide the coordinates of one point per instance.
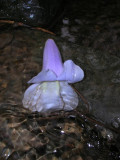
(90, 37)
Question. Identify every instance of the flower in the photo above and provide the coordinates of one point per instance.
(50, 90)
(53, 68)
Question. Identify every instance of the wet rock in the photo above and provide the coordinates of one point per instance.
(5, 39)
(32, 12)
(96, 26)
(100, 87)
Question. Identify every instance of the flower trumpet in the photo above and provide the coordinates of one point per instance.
(50, 90)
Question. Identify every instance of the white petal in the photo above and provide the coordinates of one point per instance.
(48, 97)
(70, 97)
(44, 97)
(71, 73)
(44, 76)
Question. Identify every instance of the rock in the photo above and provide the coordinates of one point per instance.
(32, 12)
(5, 39)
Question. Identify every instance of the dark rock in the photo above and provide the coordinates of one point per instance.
(32, 12)
(5, 39)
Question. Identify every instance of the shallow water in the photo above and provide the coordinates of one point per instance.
(79, 135)
(26, 135)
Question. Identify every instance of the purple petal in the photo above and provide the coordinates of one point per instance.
(71, 73)
(44, 76)
(52, 58)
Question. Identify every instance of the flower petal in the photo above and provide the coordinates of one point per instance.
(47, 75)
(71, 72)
(52, 58)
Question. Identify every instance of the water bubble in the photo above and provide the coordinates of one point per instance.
(107, 134)
(90, 145)
(116, 122)
(62, 132)
(118, 119)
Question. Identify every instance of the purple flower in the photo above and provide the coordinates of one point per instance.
(54, 93)
(53, 68)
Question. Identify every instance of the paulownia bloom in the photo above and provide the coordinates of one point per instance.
(50, 90)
